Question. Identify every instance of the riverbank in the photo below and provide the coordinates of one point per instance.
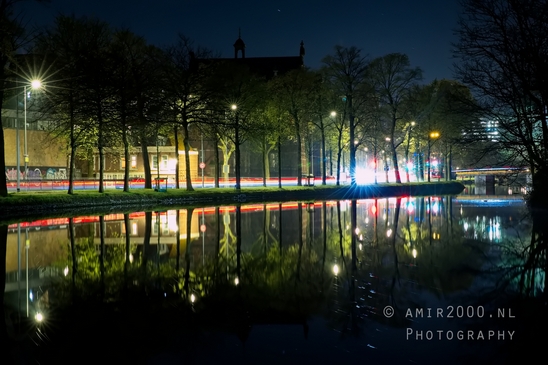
(25, 205)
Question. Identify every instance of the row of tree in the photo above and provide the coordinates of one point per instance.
(109, 89)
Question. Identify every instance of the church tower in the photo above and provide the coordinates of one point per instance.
(239, 45)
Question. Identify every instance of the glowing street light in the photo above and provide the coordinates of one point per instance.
(34, 84)
(431, 136)
(39, 317)
(234, 107)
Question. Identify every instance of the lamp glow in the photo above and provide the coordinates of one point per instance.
(38, 317)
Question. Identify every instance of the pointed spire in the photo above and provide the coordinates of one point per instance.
(239, 45)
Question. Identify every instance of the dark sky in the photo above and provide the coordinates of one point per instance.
(420, 28)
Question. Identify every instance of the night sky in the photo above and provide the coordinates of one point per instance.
(423, 29)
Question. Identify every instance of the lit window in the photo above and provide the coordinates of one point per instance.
(154, 162)
(133, 161)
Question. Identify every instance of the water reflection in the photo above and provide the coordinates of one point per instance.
(356, 278)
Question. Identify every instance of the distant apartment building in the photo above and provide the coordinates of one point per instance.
(47, 156)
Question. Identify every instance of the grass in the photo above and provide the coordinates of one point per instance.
(38, 204)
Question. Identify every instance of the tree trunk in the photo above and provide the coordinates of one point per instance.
(146, 162)
(237, 152)
(279, 162)
(265, 162)
(352, 146)
(186, 141)
(127, 158)
(217, 162)
(3, 178)
(395, 163)
(72, 156)
(101, 153)
(324, 158)
(176, 142)
(300, 160)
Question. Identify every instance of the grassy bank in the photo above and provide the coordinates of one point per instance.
(48, 204)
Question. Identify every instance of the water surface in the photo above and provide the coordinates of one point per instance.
(385, 281)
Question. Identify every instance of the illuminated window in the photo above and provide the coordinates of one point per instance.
(164, 162)
(133, 162)
(154, 162)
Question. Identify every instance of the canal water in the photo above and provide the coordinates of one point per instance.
(419, 280)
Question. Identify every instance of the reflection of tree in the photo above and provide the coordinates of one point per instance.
(226, 247)
(265, 236)
(515, 279)
(288, 283)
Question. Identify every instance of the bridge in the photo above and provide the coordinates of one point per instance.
(485, 179)
(490, 171)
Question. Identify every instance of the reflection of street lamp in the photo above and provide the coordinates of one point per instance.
(34, 84)
(27, 246)
(431, 136)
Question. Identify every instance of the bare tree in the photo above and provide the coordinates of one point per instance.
(294, 92)
(393, 78)
(346, 68)
(503, 54)
(187, 79)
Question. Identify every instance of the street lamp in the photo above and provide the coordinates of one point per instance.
(387, 139)
(34, 84)
(234, 108)
(431, 136)
(333, 115)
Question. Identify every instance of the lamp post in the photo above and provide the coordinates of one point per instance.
(34, 84)
(411, 125)
(431, 136)
(234, 108)
(333, 115)
(386, 168)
